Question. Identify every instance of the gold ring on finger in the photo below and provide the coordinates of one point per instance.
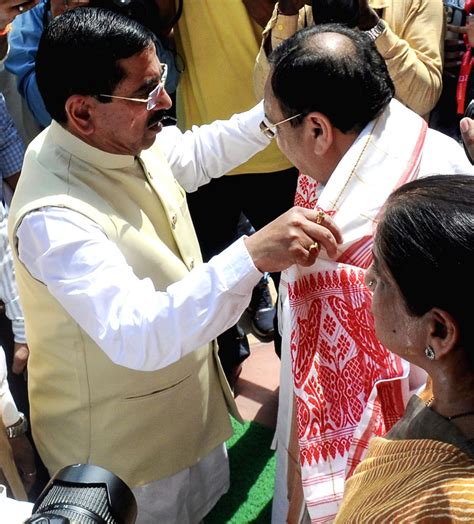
(320, 217)
(313, 247)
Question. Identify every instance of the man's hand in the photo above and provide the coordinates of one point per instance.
(24, 459)
(467, 131)
(290, 239)
(260, 10)
(20, 357)
(291, 7)
(470, 30)
(453, 49)
(368, 18)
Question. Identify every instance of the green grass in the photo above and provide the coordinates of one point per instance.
(252, 477)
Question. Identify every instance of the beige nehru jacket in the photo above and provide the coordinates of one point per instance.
(143, 426)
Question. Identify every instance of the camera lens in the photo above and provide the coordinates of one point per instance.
(84, 494)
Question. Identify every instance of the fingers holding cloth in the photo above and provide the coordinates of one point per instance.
(331, 235)
(296, 237)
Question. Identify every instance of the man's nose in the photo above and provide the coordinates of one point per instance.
(163, 101)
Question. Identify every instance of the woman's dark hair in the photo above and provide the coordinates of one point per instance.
(350, 86)
(78, 54)
(426, 240)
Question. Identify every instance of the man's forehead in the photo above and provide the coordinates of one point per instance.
(142, 67)
(145, 57)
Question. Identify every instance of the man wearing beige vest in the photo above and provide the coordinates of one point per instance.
(120, 312)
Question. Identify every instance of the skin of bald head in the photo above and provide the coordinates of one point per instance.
(331, 43)
(333, 70)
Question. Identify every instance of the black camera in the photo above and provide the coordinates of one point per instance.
(344, 12)
(84, 494)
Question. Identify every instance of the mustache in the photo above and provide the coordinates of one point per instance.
(155, 118)
(161, 116)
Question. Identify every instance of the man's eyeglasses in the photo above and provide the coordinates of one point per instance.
(270, 130)
(153, 96)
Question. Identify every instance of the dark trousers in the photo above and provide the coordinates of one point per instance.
(215, 209)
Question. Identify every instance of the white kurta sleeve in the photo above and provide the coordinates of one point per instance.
(210, 151)
(135, 325)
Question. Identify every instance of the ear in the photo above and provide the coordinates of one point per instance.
(80, 111)
(322, 132)
(443, 332)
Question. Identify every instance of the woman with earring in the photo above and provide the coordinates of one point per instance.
(422, 283)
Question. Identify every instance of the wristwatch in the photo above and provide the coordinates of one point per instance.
(20, 428)
(376, 31)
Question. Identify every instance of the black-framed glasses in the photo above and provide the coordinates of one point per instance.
(270, 130)
(153, 96)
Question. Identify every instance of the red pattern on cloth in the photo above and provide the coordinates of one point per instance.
(336, 361)
(334, 324)
(347, 386)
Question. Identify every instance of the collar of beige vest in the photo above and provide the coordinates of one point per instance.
(77, 147)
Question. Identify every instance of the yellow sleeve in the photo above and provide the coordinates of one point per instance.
(412, 49)
(279, 28)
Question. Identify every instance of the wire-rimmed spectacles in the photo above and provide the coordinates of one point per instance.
(153, 96)
(270, 130)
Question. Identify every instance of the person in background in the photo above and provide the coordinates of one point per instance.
(12, 151)
(339, 386)
(458, 87)
(407, 33)
(17, 461)
(12, 148)
(24, 38)
(15, 351)
(14, 443)
(467, 133)
(10, 302)
(466, 125)
(9, 9)
(21, 115)
(18, 474)
(423, 469)
(106, 256)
